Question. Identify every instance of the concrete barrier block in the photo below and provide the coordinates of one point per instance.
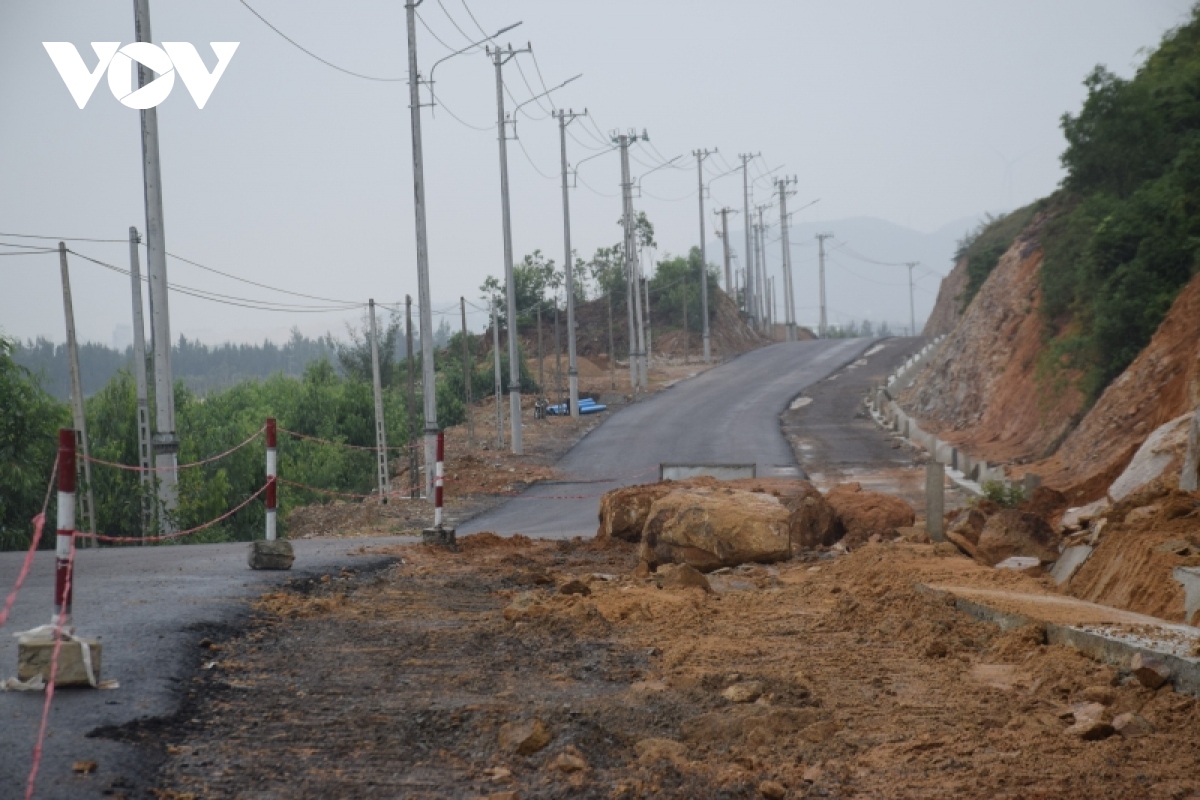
(275, 554)
(1069, 562)
(1190, 578)
(34, 655)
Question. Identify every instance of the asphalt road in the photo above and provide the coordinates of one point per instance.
(729, 414)
(150, 606)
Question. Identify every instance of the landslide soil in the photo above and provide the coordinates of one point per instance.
(397, 684)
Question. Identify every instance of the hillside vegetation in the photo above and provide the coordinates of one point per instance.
(1122, 236)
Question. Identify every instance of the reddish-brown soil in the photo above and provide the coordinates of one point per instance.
(1144, 539)
(397, 684)
(1162, 383)
(947, 309)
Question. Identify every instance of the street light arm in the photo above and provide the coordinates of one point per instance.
(468, 47)
(543, 94)
(663, 165)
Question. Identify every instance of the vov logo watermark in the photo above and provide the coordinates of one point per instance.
(172, 57)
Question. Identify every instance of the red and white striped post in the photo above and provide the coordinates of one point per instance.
(66, 526)
(438, 479)
(439, 534)
(272, 472)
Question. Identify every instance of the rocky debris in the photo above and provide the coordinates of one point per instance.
(623, 512)
(524, 737)
(863, 513)
(1159, 458)
(682, 576)
(652, 750)
(1075, 519)
(1150, 671)
(1089, 722)
(1130, 725)
(532, 577)
(708, 528)
(1047, 503)
(813, 522)
(575, 587)
(772, 790)
(964, 530)
(1104, 695)
(1016, 533)
(570, 760)
(525, 606)
(744, 692)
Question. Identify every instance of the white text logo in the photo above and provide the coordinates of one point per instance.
(172, 57)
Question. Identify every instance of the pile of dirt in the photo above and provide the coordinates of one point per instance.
(545, 670)
(1140, 543)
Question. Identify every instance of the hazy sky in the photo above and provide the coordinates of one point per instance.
(922, 113)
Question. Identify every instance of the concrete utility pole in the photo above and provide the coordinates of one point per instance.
(749, 288)
(428, 377)
(145, 452)
(821, 237)
(541, 358)
(912, 309)
(468, 373)
(644, 283)
(612, 356)
(557, 356)
(381, 453)
(500, 57)
(414, 466)
(565, 118)
(760, 259)
(789, 297)
(638, 372)
(499, 388)
(730, 283)
(166, 443)
(84, 499)
(700, 156)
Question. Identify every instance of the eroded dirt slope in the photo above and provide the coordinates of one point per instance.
(979, 390)
(947, 309)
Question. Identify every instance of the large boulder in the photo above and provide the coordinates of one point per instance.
(1158, 461)
(623, 512)
(711, 527)
(864, 513)
(1016, 533)
(812, 520)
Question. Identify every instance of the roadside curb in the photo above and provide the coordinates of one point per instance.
(1185, 672)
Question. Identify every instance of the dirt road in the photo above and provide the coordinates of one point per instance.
(471, 675)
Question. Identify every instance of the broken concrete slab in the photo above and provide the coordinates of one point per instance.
(1190, 578)
(1069, 562)
(273, 554)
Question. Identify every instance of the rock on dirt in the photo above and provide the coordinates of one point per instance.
(575, 587)
(623, 512)
(1150, 671)
(813, 522)
(652, 750)
(682, 576)
(709, 528)
(1090, 723)
(1011, 533)
(772, 790)
(1159, 458)
(524, 737)
(863, 513)
(1130, 725)
(964, 530)
(744, 692)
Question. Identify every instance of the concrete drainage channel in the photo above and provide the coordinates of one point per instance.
(1155, 640)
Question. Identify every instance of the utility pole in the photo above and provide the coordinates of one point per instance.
(638, 354)
(540, 356)
(644, 283)
(499, 388)
(500, 57)
(557, 356)
(789, 297)
(912, 309)
(85, 499)
(821, 237)
(760, 262)
(414, 465)
(612, 356)
(166, 443)
(700, 156)
(565, 118)
(685, 320)
(145, 453)
(381, 452)
(428, 377)
(730, 283)
(749, 289)
(468, 374)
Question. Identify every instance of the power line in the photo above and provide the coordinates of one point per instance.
(60, 238)
(304, 49)
(531, 161)
(261, 285)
